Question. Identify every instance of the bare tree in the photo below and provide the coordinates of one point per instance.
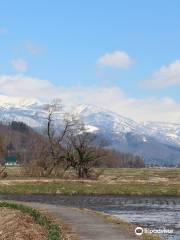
(56, 136)
(81, 154)
(69, 145)
(2, 148)
(3, 173)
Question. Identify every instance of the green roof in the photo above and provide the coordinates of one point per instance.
(11, 159)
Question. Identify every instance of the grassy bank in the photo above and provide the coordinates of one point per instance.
(122, 181)
(70, 188)
(53, 230)
(18, 172)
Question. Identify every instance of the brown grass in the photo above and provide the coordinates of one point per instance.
(15, 225)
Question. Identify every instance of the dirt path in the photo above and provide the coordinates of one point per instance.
(88, 225)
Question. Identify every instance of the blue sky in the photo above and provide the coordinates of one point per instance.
(128, 50)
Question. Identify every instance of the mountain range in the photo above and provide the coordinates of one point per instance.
(157, 142)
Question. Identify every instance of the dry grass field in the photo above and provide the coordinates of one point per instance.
(17, 226)
(123, 181)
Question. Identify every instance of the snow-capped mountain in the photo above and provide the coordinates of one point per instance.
(150, 140)
(106, 120)
(17, 102)
(156, 142)
(165, 132)
(29, 111)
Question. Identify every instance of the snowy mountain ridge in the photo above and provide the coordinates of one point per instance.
(163, 131)
(17, 102)
(158, 143)
(31, 111)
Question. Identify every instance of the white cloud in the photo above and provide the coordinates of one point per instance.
(20, 64)
(116, 59)
(111, 98)
(147, 109)
(24, 86)
(166, 76)
(33, 48)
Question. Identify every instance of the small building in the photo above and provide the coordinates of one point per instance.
(11, 160)
(11, 155)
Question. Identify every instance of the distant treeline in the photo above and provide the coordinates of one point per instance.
(19, 126)
(23, 140)
(115, 159)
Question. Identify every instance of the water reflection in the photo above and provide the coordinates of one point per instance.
(151, 217)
